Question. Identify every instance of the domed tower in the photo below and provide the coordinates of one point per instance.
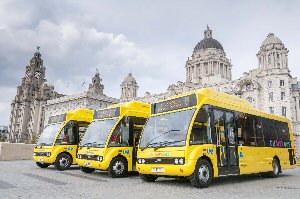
(129, 88)
(272, 54)
(208, 63)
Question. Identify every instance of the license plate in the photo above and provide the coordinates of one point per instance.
(88, 164)
(158, 169)
(41, 159)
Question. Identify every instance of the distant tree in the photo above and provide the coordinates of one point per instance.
(34, 139)
(3, 139)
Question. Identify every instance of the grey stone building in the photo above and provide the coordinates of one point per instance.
(27, 109)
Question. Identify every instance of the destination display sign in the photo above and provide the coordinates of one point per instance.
(107, 113)
(57, 118)
(175, 104)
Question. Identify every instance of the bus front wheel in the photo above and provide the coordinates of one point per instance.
(42, 165)
(118, 168)
(63, 161)
(87, 170)
(148, 178)
(202, 175)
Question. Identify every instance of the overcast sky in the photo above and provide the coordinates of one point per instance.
(151, 39)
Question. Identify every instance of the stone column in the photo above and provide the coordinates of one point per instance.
(297, 108)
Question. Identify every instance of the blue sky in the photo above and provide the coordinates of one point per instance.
(150, 39)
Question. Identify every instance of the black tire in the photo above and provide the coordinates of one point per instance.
(42, 165)
(118, 168)
(148, 178)
(87, 170)
(275, 172)
(203, 174)
(63, 162)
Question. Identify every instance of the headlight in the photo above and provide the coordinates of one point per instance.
(34, 153)
(179, 161)
(139, 161)
(100, 158)
(176, 161)
(143, 161)
(48, 154)
(79, 156)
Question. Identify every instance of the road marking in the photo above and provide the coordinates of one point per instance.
(45, 179)
(84, 177)
(5, 185)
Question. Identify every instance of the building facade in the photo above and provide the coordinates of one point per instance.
(269, 87)
(27, 109)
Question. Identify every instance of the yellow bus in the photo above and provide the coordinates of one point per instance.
(205, 134)
(58, 142)
(111, 140)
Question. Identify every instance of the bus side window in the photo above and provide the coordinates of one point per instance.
(270, 132)
(201, 131)
(259, 131)
(120, 136)
(283, 131)
(67, 135)
(240, 124)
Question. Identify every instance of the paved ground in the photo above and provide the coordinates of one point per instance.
(22, 179)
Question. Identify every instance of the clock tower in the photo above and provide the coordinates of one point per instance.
(27, 108)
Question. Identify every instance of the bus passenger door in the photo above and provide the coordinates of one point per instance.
(226, 142)
(136, 127)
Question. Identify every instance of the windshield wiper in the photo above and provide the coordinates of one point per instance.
(99, 144)
(149, 143)
(89, 144)
(167, 143)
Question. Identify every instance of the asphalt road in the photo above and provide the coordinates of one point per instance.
(23, 179)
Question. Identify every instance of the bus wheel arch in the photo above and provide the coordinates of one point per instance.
(277, 158)
(203, 173)
(118, 167)
(63, 161)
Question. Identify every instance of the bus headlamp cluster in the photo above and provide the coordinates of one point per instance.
(79, 156)
(34, 154)
(100, 158)
(141, 161)
(179, 161)
(48, 154)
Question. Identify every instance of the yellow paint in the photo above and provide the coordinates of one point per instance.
(254, 160)
(134, 109)
(80, 115)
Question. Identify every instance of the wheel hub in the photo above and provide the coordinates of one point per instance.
(118, 167)
(63, 162)
(203, 173)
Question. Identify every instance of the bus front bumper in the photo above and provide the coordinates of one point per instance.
(43, 159)
(93, 164)
(186, 169)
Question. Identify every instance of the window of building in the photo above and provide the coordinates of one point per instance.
(281, 82)
(201, 131)
(271, 110)
(282, 96)
(269, 59)
(270, 84)
(248, 87)
(278, 59)
(283, 111)
(271, 97)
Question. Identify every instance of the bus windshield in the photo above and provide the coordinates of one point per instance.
(167, 130)
(97, 133)
(49, 134)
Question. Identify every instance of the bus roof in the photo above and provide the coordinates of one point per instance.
(78, 114)
(134, 106)
(225, 99)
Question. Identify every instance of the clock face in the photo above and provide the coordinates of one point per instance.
(37, 75)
